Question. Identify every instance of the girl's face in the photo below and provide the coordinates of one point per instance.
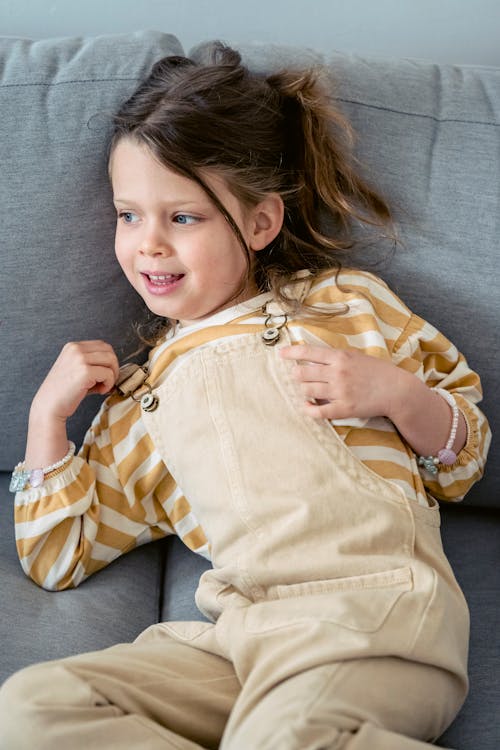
(173, 244)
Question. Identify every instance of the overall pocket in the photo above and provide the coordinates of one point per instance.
(361, 603)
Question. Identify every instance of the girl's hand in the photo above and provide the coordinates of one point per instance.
(345, 383)
(82, 368)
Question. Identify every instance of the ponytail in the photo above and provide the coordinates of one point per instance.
(319, 158)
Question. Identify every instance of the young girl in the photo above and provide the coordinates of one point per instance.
(293, 424)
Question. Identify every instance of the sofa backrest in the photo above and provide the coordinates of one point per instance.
(428, 138)
(59, 278)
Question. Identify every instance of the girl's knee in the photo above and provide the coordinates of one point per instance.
(16, 697)
(29, 700)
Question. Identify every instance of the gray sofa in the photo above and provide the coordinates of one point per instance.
(429, 138)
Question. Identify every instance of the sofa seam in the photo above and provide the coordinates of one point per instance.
(160, 584)
(70, 81)
(417, 114)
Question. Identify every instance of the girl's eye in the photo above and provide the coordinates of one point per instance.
(128, 217)
(185, 219)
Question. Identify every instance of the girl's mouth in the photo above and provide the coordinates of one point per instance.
(162, 283)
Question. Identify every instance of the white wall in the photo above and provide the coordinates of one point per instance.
(456, 31)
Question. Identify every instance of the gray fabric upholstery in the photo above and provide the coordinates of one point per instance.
(60, 280)
(471, 541)
(428, 137)
(111, 607)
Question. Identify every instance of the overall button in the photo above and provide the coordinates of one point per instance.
(149, 402)
(270, 336)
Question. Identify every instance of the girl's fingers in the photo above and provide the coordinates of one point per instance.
(320, 355)
(91, 353)
(312, 373)
(104, 359)
(100, 378)
(317, 391)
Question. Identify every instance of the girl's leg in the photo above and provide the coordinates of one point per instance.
(368, 704)
(155, 693)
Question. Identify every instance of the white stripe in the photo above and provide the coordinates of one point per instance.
(79, 574)
(446, 479)
(374, 287)
(169, 503)
(203, 552)
(366, 339)
(356, 341)
(125, 447)
(119, 522)
(120, 410)
(105, 553)
(378, 424)
(165, 526)
(355, 309)
(149, 463)
(106, 475)
(377, 453)
(186, 525)
(44, 524)
(89, 529)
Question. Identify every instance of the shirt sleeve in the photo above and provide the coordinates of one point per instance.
(424, 351)
(109, 499)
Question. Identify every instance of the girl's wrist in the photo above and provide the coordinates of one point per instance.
(41, 413)
(424, 417)
(405, 392)
(47, 440)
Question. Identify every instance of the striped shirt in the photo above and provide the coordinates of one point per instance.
(117, 493)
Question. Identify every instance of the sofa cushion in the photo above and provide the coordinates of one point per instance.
(470, 539)
(428, 136)
(112, 607)
(60, 280)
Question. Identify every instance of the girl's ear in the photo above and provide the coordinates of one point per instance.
(266, 223)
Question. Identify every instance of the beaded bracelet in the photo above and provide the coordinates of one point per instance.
(24, 479)
(446, 455)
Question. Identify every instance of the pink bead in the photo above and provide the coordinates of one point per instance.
(447, 456)
(36, 477)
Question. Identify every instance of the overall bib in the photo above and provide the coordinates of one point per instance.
(317, 560)
(336, 619)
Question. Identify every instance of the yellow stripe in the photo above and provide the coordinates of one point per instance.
(139, 453)
(151, 479)
(195, 538)
(390, 312)
(165, 488)
(180, 510)
(121, 428)
(112, 537)
(50, 552)
(391, 470)
(366, 436)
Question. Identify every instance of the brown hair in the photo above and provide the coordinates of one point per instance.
(263, 134)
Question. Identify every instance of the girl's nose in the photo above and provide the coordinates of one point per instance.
(155, 244)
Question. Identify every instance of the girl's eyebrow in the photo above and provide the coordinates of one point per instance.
(174, 202)
(124, 199)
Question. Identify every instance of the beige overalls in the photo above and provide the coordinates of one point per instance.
(338, 621)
